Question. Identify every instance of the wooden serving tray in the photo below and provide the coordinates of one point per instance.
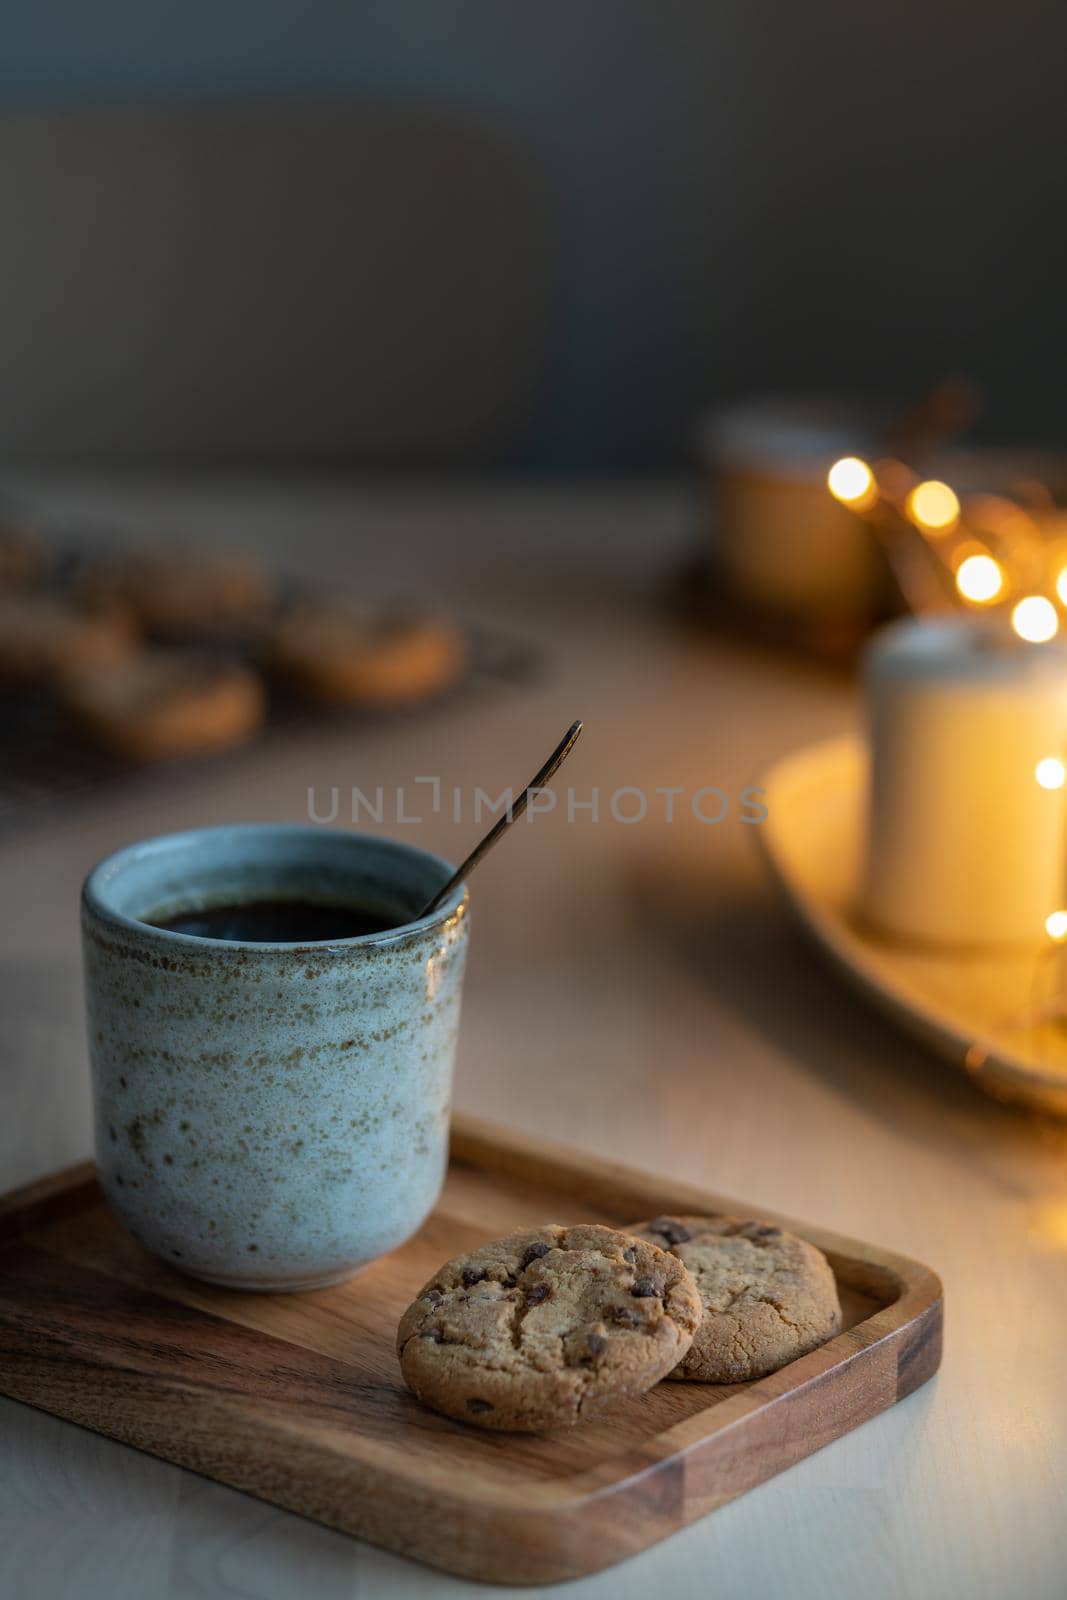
(298, 1398)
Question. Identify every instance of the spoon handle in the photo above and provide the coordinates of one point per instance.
(538, 781)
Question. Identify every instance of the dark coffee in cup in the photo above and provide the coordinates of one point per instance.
(277, 922)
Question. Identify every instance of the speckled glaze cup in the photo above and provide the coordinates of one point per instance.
(271, 1116)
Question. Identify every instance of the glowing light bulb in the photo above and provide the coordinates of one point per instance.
(1061, 585)
(1056, 925)
(980, 579)
(1051, 773)
(851, 481)
(1035, 619)
(933, 506)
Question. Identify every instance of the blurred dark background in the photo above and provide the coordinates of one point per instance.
(538, 238)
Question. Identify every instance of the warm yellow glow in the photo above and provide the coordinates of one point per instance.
(1051, 773)
(1048, 1220)
(1056, 925)
(1035, 619)
(851, 481)
(1061, 585)
(933, 506)
(980, 579)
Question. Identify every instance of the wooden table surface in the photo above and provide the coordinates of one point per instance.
(636, 989)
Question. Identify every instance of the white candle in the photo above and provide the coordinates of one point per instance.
(968, 809)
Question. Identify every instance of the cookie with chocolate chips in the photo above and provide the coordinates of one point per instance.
(768, 1297)
(340, 653)
(548, 1325)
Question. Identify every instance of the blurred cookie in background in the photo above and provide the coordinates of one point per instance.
(341, 654)
(24, 556)
(165, 703)
(43, 636)
(187, 594)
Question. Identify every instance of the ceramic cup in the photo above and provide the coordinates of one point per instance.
(271, 1116)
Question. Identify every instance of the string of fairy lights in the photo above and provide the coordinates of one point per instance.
(985, 552)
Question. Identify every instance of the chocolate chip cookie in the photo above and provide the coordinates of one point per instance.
(341, 654)
(23, 557)
(548, 1325)
(42, 637)
(165, 703)
(768, 1296)
(185, 594)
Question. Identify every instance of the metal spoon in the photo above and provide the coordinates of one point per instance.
(538, 781)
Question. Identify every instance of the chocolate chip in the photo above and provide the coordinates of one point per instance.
(623, 1314)
(434, 1296)
(647, 1289)
(764, 1232)
(595, 1345)
(668, 1229)
(479, 1407)
(630, 1254)
(539, 1292)
(534, 1252)
(472, 1275)
(435, 1335)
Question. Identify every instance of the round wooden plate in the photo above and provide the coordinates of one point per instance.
(999, 1016)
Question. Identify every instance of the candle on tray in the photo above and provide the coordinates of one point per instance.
(968, 805)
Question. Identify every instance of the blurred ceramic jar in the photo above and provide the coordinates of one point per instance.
(783, 543)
